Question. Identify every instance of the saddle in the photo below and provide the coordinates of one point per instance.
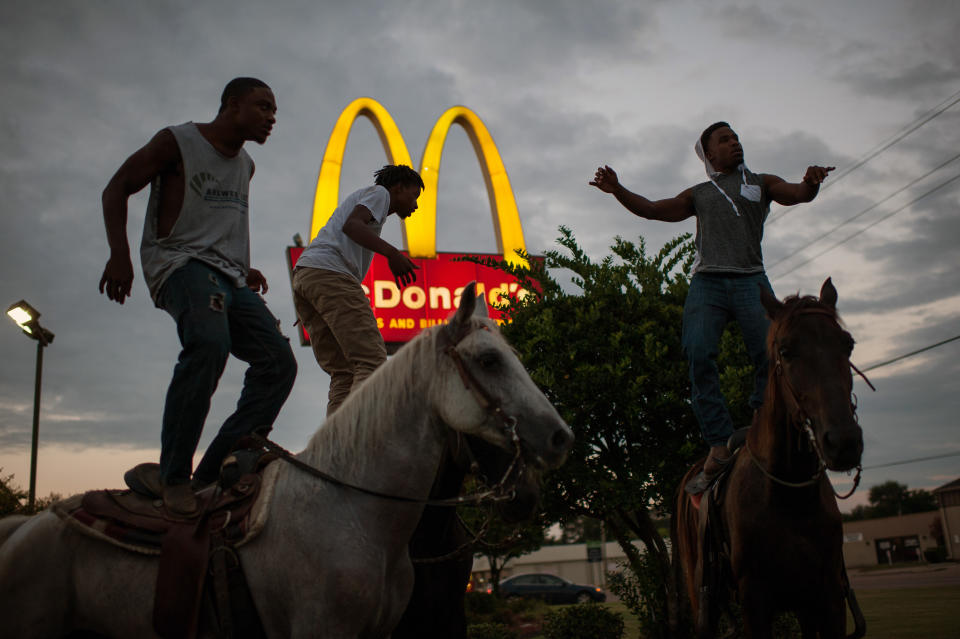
(231, 513)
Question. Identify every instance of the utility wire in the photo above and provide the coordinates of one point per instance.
(871, 225)
(865, 211)
(911, 354)
(910, 128)
(912, 461)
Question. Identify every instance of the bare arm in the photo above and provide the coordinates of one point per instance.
(356, 229)
(135, 173)
(788, 194)
(672, 209)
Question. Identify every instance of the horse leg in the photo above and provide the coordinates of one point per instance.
(757, 613)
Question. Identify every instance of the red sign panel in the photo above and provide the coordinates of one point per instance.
(431, 299)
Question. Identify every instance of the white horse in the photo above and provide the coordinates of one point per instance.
(330, 561)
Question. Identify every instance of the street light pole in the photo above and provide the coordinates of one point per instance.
(36, 426)
(27, 318)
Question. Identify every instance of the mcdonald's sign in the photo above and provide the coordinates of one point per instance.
(401, 314)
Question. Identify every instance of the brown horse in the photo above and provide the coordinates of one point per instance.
(442, 548)
(772, 530)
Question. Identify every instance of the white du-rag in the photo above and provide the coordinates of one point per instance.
(749, 191)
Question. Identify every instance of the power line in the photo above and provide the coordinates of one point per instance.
(883, 146)
(865, 211)
(871, 225)
(912, 461)
(911, 354)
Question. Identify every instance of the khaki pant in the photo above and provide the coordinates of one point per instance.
(343, 331)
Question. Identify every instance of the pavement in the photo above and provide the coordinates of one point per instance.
(918, 576)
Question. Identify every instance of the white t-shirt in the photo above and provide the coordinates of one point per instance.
(332, 250)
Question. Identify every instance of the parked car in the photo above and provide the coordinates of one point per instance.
(549, 588)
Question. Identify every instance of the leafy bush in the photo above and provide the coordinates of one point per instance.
(479, 603)
(490, 631)
(643, 593)
(935, 555)
(583, 621)
(521, 616)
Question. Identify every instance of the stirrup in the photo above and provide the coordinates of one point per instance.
(700, 483)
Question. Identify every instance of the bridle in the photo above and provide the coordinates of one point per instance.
(802, 420)
(501, 491)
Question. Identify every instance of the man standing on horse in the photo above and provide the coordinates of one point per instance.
(731, 208)
(327, 293)
(196, 261)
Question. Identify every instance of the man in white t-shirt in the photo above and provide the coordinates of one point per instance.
(326, 281)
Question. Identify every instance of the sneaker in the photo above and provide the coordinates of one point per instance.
(180, 500)
(718, 458)
(145, 480)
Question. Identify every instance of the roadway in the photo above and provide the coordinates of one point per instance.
(919, 576)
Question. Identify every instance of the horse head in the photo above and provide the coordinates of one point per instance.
(810, 373)
(485, 390)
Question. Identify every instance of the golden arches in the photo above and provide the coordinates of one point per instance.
(420, 230)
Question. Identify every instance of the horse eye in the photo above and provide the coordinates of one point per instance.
(488, 360)
(849, 343)
(784, 352)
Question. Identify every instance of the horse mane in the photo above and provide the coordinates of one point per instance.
(346, 438)
(794, 305)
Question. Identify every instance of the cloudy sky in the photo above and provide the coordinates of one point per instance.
(563, 86)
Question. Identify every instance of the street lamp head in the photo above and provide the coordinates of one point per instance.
(27, 318)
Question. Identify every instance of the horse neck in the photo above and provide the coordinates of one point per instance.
(776, 440)
(383, 437)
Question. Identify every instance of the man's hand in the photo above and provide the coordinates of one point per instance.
(402, 268)
(117, 278)
(606, 179)
(256, 282)
(815, 175)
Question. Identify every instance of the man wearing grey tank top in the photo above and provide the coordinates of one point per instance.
(731, 209)
(195, 254)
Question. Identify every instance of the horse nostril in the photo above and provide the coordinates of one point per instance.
(561, 439)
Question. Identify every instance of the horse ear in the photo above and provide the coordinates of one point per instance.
(481, 309)
(770, 302)
(468, 305)
(828, 294)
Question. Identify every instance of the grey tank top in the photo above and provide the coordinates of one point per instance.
(213, 225)
(729, 231)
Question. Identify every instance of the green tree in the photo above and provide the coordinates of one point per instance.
(499, 542)
(891, 499)
(608, 356)
(13, 500)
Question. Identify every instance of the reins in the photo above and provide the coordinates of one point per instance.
(804, 419)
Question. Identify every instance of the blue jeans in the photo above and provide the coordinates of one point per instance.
(214, 319)
(713, 300)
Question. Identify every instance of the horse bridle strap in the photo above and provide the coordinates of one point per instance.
(487, 403)
(493, 495)
(804, 419)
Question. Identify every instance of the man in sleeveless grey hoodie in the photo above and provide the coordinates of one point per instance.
(195, 253)
(728, 270)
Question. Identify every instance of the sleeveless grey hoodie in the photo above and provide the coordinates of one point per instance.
(213, 225)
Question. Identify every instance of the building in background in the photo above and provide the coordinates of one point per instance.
(948, 497)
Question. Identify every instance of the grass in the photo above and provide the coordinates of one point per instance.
(908, 613)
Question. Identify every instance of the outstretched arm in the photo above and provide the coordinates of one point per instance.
(672, 209)
(134, 174)
(355, 228)
(788, 194)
